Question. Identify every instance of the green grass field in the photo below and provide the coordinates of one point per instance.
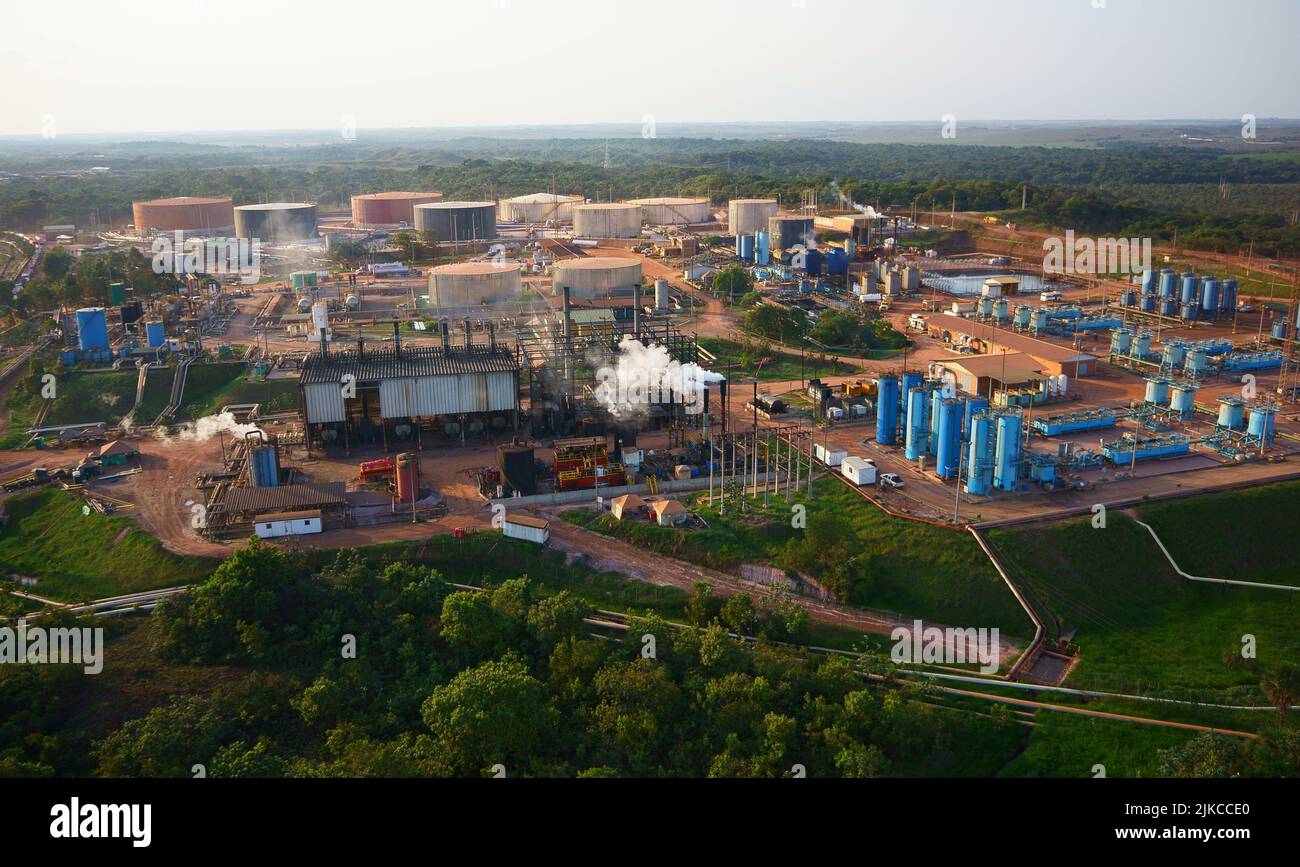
(77, 557)
(1260, 522)
(906, 568)
(771, 366)
(1062, 745)
(1139, 627)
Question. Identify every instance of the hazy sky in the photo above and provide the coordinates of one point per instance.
(150, 66)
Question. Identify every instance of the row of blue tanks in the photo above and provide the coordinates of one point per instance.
(935, 421)
(1189, 297)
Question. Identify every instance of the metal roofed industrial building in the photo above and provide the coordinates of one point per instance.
(975, 373)
(400, 393)
(1054, 358)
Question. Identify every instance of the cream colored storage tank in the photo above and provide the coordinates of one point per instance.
(673, 211)
(538, 208)
(596, 277)
(471, 283)
(747, 216)
(610, 220)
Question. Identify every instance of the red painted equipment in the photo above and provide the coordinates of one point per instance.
(377, 469)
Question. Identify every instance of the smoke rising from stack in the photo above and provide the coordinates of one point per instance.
(209, 426)
(643, 376)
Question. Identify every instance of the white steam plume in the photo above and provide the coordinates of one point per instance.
(646, 375)
(209, 426)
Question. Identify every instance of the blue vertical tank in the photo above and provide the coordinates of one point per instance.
(745, 248)
(1148, 282)
(981, 455)
(1006, 467)
(1191, 289)
(1261, 425)
(1210, 298)
(762, 248)
(837, 262)
(1232, 413)
(1168, 284)
(264, 467)
(1228, 297)
(973, 405)
(948, 452)
(155, 334)
(918, 426)
(932, 421)
(813, 261)
(887, 410)
(92, 328)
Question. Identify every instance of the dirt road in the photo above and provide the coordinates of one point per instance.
(606, 554)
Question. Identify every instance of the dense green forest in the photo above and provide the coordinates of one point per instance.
(274, 668)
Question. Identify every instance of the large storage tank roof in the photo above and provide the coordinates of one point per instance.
(542, 199)
(394, 194)
(473, 268)
(670, 200)
(610, 206)
(591, 263)
(186, 200)
(437, 206)
(275, 206)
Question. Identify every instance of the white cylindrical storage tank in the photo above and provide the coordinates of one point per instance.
(673, 211)
(608, 220)
(661, 294)
(469, 284)
(538, 208)
(747, 216)
(596, 277)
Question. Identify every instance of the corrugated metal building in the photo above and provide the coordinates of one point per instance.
(368, 395)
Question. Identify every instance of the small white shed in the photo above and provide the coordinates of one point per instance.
(272, 526)
(859, 471)
(526, 527)
(830, 457)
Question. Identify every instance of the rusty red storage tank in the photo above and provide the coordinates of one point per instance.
(184, 214)
(389, 209)
(408, 478)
